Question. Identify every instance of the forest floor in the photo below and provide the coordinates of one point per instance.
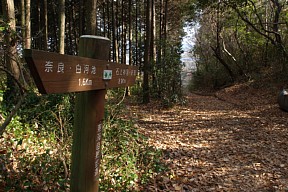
(233, 140)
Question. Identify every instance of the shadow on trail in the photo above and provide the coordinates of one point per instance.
(210, 145)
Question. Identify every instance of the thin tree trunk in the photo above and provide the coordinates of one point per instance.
(38, 42)
(136, 35)
(152, 44)
(54, 47)
(122, 34)
(217, 50)
(104, 19)
(146, 90)
(23, 20)
(27, 25)
(45, 26)
(62, 27)
(114, 37)
(164, 28)
(81, 18)
(130, 33)
(70, 37)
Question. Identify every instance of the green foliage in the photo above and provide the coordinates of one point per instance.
(37, 144)
(243, 46)
(50, 113)
(31, 160)
(167, 74)
(35, 149)
(127, 160)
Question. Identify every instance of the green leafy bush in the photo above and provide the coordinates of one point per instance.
(35, 149)
(127, 159)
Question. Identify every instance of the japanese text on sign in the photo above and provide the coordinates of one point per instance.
(60, 66)
(98, 149)
(123, 73)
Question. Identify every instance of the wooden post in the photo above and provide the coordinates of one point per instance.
(91, 74)
(89, 114)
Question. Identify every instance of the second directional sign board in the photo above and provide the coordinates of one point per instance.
(57, 73)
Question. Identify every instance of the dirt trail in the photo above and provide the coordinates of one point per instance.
(236, 143)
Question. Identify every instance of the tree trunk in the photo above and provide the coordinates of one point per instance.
(152, 44)
(147, 57)
(23, 20)
(217, 51)
(27, 25)
(104, 19)
(91, 17)
(165, 27)
(10, 53)
(130, 32)
(136, 35)
(81, 18)
(62, 27)
(114, 32)
(38, 42)
(45, 25)
(54, 43)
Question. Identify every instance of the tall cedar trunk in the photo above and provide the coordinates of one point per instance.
(10, 52)
(159, 55)
(91, 17)
(27, 39)
(108, 15)
(136, 35)
(55, 19)
(70, 37)
(81, 18)
(38, 42)
(117, 28)
(152, 43)
(154, 32)
(114, 32)
(130, 32)
(165, 27)
(109, 27)
(45, 25)
(123, 43)
(23, 20)
(76, 30)
(62, 27)
(104, 19)
(122, 33)
(147, 57)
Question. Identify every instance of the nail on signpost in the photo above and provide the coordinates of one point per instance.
(91, 75)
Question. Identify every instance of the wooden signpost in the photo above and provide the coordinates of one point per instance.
(90, 74)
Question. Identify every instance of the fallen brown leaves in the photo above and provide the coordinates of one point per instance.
(236, 140)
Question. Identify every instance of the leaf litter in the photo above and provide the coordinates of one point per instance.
(234, 140)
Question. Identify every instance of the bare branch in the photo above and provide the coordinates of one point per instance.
(12, 114)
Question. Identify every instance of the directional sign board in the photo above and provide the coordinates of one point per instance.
(57, 73)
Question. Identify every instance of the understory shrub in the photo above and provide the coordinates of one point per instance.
(35, 149)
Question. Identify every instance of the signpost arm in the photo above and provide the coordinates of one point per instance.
(89, 115)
